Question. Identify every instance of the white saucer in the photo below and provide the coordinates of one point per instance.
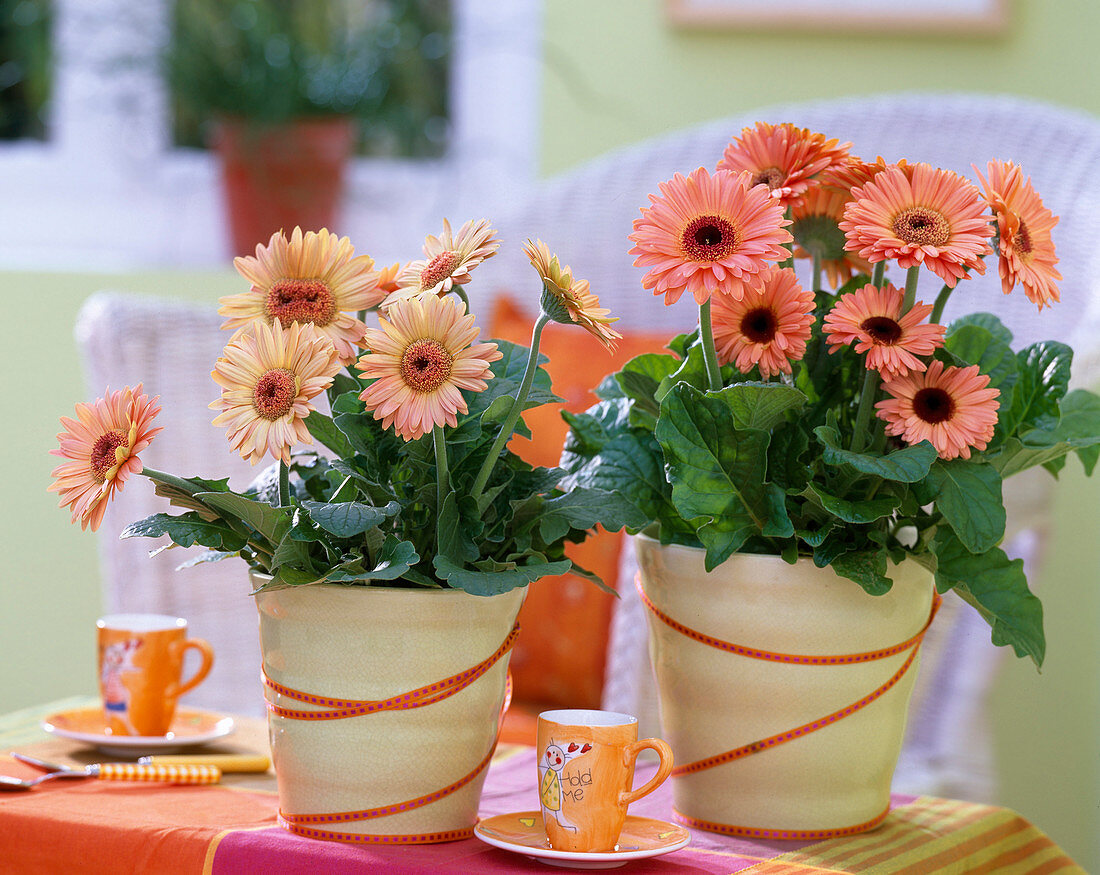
(523, 833)
(190, 726)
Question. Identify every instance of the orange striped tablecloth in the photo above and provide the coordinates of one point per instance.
(94, 826)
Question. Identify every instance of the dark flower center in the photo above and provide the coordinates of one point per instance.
(772, 177)
(759, 325)
(922, 226)
(933, 405)
(275, 393)
(426, 365)
(709, 238)
(438, 269)
(295, 300)
(103, 454)
(882, 330)
(1021, 240)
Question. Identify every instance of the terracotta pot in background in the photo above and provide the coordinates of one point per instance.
(712, 701)
(279, 176)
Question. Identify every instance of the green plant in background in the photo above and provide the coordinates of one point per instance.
(26, 60)
(383, 62)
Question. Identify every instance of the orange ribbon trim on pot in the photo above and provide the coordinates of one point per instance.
(342, 708)
(798, 732)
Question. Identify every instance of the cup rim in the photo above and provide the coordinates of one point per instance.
(587, 717)
(141, 622)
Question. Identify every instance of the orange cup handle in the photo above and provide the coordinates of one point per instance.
(197, 678)
(630, 754)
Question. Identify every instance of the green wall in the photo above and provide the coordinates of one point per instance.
(615, 72)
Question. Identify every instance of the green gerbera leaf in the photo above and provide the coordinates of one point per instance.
(968, 494)
(996, 586)
(346, 519)
(907, 465)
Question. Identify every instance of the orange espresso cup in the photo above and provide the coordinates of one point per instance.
(586, 772)
(140, 670)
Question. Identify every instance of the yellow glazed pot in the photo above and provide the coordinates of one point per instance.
(836, 778)
(370, 644)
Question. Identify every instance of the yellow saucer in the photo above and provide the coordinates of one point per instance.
(523, 833)
(190, 726)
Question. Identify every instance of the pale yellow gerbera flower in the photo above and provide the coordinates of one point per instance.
(268, 375)
(448, 261)
(581, 306)
(102, 444)
(312, 277)
(420, 360)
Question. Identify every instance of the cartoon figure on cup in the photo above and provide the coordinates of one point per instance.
(118, 661)
(550, 767)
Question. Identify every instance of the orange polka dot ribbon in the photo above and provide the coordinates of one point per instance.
(307, 825)
(912, 644)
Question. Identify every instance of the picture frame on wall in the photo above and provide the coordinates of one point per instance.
(964, 17)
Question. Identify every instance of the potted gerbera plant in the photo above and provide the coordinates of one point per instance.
(391, 543)
(817, 461)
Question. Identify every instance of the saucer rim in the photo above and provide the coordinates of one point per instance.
(223, 726)
(579, 856)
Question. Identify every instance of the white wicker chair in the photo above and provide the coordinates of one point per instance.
(586, 214)
(171, 347)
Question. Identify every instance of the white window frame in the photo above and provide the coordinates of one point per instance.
(108, 190)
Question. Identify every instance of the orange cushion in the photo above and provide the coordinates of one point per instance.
(559, 658)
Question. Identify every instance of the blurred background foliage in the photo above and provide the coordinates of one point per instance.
(383, 62)
(25, 68)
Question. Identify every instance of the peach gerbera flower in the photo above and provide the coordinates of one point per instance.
(581, 306)
(102, 443)
(1025, 249)
(783, 157)
(815, 221)
(312, 277)
(768, 327)
(449, 260)
(954, 408)
(872, 318)
(855, 172)
(268, 376)
(420, 359)
(387, 278)
(921, 215)
(708, 233)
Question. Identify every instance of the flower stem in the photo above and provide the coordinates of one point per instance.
(513, 414)
(442, 477)
(910, 289)
(816, 275)
(941, 302)
(462, 296)
(878, 274)
(284, 484)
(710, 357)
(863, 413)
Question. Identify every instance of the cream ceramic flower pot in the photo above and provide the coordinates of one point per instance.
(836, 778)
(371, 644)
